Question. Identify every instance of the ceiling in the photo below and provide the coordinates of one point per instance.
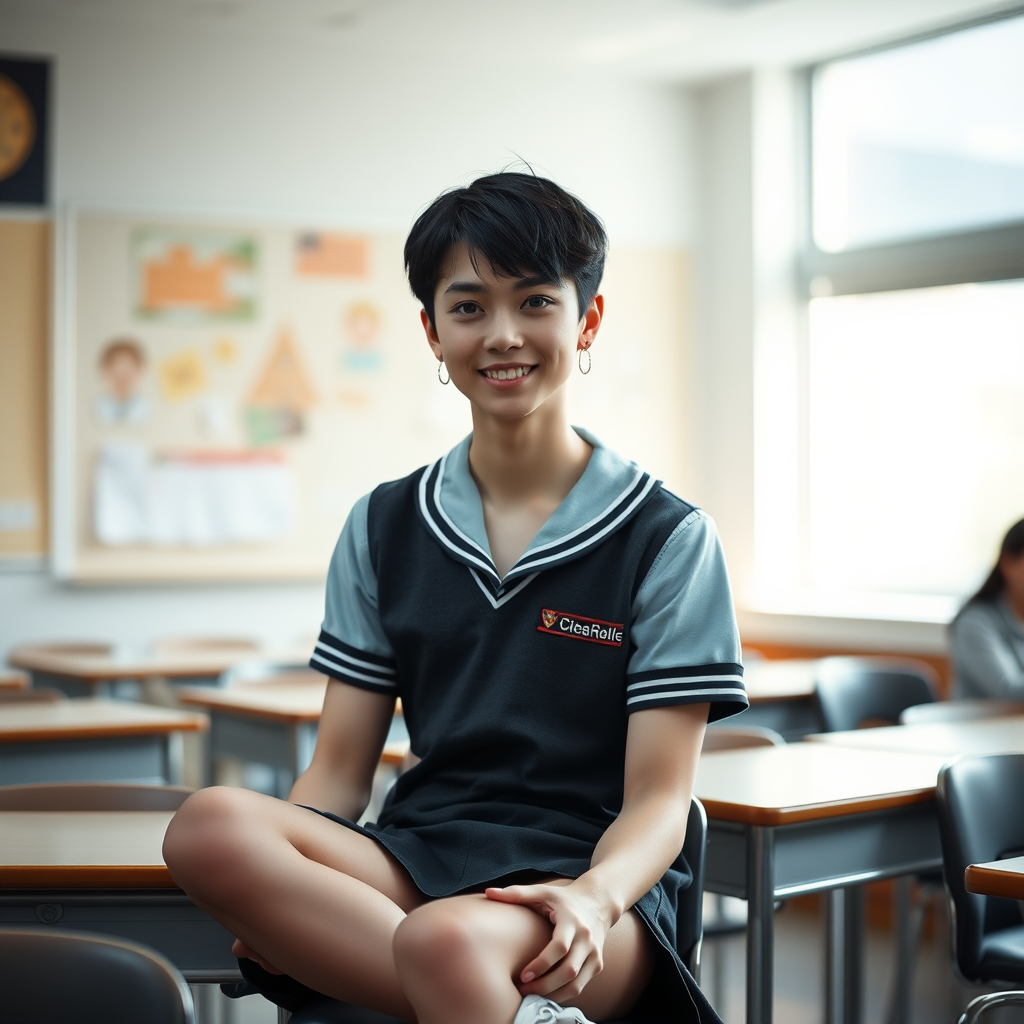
(661, 40)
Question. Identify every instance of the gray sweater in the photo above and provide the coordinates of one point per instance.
(987, 646)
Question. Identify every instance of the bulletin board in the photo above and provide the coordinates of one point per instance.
(224, 392)
(227, 391)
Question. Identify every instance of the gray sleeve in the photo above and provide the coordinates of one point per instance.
(983, 661)
(687, 646)
(352, 647)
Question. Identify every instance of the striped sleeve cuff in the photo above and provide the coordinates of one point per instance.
(719, 685)
(351, 665)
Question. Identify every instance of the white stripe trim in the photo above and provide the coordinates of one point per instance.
(683, 680)
(355, 675)
(496, 603)
(716, 692)
(596, 519)
(592, 540)
(448, 519)
(438, 532)
(355, 661)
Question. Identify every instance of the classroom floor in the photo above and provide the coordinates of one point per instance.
(799, 978)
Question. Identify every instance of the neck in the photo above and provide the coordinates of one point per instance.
(517, 460)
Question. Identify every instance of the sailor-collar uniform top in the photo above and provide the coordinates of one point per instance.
(517, 691)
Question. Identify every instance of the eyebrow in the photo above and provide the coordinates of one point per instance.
(475, 287)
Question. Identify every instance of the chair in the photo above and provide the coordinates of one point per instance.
(32, 695)
(92, 796)
(689, 934)
(853, 692)
(981, 818)
(54, 976)
(959, 711)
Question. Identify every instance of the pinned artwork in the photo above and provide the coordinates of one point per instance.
(362, 326)
(322, 254)
(122, 364)
(277, 406)
(194, 276)
(183, 376)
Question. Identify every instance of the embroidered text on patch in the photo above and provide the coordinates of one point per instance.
(579, 627)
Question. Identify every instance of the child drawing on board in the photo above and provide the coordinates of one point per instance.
(559, 628)
(122, 364)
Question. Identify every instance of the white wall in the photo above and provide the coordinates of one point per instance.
(161, 112)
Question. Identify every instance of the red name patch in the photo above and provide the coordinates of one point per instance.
(579, 627)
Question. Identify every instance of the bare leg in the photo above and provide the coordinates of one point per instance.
(457, 960)
(316, 899)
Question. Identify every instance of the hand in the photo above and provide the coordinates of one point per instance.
(574, 955)
(242, 951)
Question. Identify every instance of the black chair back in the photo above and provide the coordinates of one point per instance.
(981, 818)
(690, 911)
(852, 691)
(53, 976)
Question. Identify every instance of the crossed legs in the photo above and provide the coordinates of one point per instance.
(334, 910)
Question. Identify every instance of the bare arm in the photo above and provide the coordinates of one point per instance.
(353, 728)
(662, 749)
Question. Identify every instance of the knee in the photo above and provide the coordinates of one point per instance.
(439, 942)
(208, 840)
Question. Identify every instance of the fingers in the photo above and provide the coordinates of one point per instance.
(566, 981)
(530, 895)
(553, 953)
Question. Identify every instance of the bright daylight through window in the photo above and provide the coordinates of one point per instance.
(914, 415)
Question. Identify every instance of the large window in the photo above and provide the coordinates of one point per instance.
(913, 461)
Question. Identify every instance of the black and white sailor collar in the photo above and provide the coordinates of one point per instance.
(608, 494)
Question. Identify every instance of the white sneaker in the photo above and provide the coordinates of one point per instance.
(538, 1010)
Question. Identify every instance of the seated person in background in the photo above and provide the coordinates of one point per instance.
(987, 635)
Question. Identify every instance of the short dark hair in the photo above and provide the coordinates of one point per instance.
(520, 224)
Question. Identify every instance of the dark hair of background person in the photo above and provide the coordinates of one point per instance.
(521, 224)
(1013, 545)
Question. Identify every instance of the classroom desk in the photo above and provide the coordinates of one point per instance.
(93, 740)
(13, 680)
(948, 739)
(274, 723)
(103, 872)
(809, 817)
(997, 878)
(88, 670)
(781, 695)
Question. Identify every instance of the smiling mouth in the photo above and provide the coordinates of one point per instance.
(512, 373)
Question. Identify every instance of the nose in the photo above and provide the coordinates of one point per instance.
(504, 334)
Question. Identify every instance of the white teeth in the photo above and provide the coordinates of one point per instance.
(519, 371)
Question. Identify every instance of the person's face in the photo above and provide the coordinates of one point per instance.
(509, 343)
(122, 373)
(1013, 575)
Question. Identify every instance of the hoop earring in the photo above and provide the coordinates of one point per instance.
(446, 379)
(589, 361)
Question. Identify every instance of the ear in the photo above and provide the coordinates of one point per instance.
(590, 323)
(431, 333)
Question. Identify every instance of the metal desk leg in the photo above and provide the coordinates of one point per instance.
(175, 758)
(760, 924)
(844, 966)
(903, 983)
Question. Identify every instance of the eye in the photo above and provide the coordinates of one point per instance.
(467, 308)
(538, 302)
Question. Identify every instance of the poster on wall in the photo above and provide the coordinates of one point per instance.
(24, 130)
(234, 390)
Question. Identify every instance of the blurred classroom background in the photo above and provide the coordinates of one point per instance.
(208, 352)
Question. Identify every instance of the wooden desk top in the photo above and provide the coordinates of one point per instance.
(91, 718)
(997, 878)
(288, 700)
(285, 698)
(99, 664)
(13, 680)
(83, 849)
(787, 679)
(974, 736)
(810, 781)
